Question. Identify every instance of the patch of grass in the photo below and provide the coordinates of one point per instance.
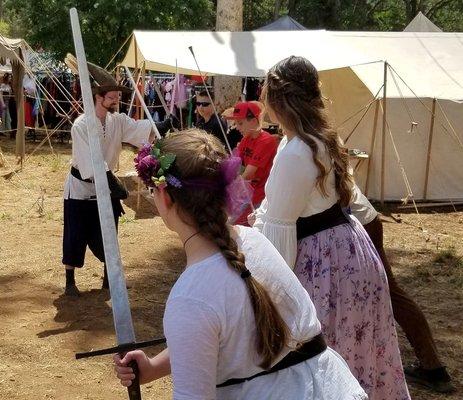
(55, 163)
(4, 216)
(49, 215)
(446, 256)
(446, 265)
(125, 219)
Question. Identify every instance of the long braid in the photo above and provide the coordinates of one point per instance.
(272, 332)
(207, 211)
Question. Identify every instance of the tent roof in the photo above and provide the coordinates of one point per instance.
(430, 63)
(9, 49)
(284, 23)
(235, 53)
(421, 23)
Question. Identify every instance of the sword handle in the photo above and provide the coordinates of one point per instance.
(134, 388)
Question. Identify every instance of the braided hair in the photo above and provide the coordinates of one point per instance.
(292, 91)
(198, 156)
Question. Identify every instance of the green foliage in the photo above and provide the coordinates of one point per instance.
(257, 13)
(4, 28)
(379, 15)
(105, 24)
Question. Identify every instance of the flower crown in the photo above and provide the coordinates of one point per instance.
(153, 166)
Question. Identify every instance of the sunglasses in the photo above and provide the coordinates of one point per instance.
(202, 104)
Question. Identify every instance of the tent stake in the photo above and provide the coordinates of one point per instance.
(383, 144)
(372, 146)
(428, 157)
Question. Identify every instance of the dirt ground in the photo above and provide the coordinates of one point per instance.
(41, 330)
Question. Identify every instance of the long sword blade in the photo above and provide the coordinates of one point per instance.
(119, 297)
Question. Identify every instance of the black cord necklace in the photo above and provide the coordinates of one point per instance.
(186, 241)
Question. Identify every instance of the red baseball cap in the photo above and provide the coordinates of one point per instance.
(246, 109)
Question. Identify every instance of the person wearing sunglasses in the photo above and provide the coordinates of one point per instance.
(212, 123)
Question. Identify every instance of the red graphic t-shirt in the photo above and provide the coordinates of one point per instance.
(258, 152)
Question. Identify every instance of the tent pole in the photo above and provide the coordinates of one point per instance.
(137, 74)
(372, 146)
(142, 91)
(18, 72)
(163, 101)
(428, 157)
(118, 80)
(383, 144)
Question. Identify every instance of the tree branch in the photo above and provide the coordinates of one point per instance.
(374, 7)
(291, 7)
(276, 12)
(436, 7)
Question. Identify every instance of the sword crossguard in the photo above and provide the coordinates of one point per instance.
(122, 348)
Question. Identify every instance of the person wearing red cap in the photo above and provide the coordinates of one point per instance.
(256, 150)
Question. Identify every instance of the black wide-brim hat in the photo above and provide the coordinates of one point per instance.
(103, 81)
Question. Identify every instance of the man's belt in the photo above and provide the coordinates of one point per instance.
(76, 174)
(116, 187)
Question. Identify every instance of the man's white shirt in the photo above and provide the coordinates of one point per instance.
(118, 129)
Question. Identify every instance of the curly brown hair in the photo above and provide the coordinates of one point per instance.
(292, 91)
(199, 156)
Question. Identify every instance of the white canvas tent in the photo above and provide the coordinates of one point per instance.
(423, 67)
(234, 53)
(420, 161)
(284, 23)
(421, 23)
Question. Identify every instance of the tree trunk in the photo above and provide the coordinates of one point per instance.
(276, 13)
(291, 7)
(229, 18)
(411, 9)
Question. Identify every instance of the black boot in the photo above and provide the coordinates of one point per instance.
(105, 284)
(436, 379)
(71, 288)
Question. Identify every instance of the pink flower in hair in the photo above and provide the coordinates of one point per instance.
(146, 168)
(152, 166)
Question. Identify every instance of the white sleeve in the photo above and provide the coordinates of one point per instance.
(137, 133)
(81, 151)
(260, 215)
(360, 207)
(292, 182)
(192, 330)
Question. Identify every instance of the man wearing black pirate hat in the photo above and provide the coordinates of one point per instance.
(81, 220)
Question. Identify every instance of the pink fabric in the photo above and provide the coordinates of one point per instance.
(346, 281)
(238, 191)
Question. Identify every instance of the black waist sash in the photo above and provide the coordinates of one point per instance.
(308, 350)
(116, 187)
(307, 226)
(76, 174)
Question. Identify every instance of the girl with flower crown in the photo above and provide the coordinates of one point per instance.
(302, 215)
(238, 323)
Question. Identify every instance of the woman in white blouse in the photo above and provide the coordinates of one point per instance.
(237, 313)
(330, 252)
